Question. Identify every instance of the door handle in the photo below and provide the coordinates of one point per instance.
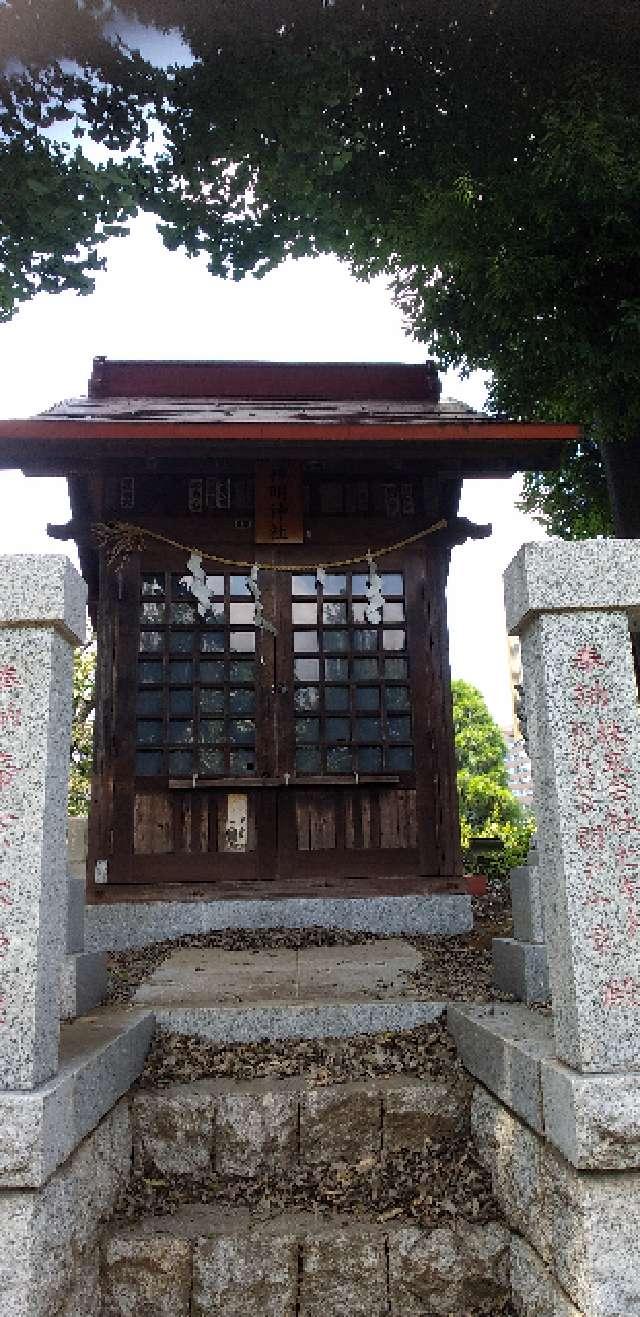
(280, 689)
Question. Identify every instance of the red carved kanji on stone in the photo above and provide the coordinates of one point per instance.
(594, 696)
(5, 943)
(9, 677)
(622, 992)
(5, 823)
(588, 659)
(601, 938)
(8, 769)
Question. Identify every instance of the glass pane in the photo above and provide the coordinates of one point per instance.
(242, 701)
(151, 641)
(240, 670)
(242, 731)
(181, 763)
(365, 669)
(399, 758)
(149, 764)
(180, 674)
(393, 612)
(181, 702)
(304, 585)
(336, 698)
(307, 729)
(152, 612)
(399, 729)
(306, 698)
(335, 584)
(308, 761)
(149, 733)
(368, 729)
(242, 614)
(367, 697)
(181, 733)
(306, 669)
(212, 671)
(149, 673)
(395, 669)
(212, 642)
(305, 642)
(337, 729)
(152, 584)
(336, 642)
(240, 585)
(211, 731)
(358, 613)
(211, 701)
(339, 761)
(211, 761)
(181, 642)
(183, 614)
(336, 669)
(365, 641)
(243, 761)
(334, 612)
(213, 614)
(392, 583)
(242, 642)
(359, 583)
(393, 639)
(149, 702)
(369, 759)
(397, 698)
(304, 613)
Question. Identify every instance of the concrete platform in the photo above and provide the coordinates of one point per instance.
(236, 996)
(119, 925)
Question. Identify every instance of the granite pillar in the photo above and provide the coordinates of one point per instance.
(42, 617)
(568, 603)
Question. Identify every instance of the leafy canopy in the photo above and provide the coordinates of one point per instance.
(485, 156)
(488, 808)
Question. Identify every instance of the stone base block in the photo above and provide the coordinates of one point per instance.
(526, 904)
(534, 1291)
(99, 1060)
(48, 1258)
(116, 927)
(257, 1022)
(521, 969)
(83, 983)
(581, 1226)
(75, 916)
(503, 1046)
(300, 1264)
(77, 842)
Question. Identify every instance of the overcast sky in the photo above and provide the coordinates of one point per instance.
(154, 303)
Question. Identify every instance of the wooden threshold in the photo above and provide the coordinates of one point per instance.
(338, 889)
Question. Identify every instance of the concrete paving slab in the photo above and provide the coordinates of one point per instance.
(361, 971)
(208, 976)
(257, 1022)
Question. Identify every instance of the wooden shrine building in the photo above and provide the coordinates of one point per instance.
(273, 705)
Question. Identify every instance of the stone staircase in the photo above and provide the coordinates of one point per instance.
(297, 1196)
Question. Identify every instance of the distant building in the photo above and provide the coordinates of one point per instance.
(518, 767)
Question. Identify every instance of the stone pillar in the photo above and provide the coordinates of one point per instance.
(568, 604)
(42, 617)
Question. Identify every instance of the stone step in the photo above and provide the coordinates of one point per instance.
(257, 1021)
(241, 1128)
(200, 1262)
(83, 983)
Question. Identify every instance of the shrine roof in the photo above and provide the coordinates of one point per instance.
(135, 406)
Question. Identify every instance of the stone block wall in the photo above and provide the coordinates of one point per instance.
(215, 1126)
(574, 1250)
(49, 1262)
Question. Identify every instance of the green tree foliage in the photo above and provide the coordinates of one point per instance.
(84, 677)
(488, 807)
(484, 156)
